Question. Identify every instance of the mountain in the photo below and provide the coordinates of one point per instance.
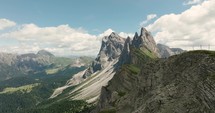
(140, 43)
(14, 65)
(89, 82)
(45, 53)
(115, 51)
(146, 83)
(179, 84)
(28, 80)
(145, 39)
(23, 93)
(132, 75)
(166, 51)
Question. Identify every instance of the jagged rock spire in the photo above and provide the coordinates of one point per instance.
(111, 48)
(125, 57)
(145, 39)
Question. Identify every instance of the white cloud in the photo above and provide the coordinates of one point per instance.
(125, 35)
(4, 23)
(193, 27)
(192, 2)
(109, 31)
(106, 33)
(149, 17)
(61, 40)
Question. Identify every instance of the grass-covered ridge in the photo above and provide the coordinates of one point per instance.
(131, 68)
(52, 71)
(143, 53)
(210, 53)
(62, 61)
(148, 53)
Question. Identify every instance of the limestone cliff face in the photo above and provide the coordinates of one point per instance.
(90, 81)
(179, 84)
(125, 57)
(111, 48)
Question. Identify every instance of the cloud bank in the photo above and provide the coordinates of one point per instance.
(61, 40)
(193, 27)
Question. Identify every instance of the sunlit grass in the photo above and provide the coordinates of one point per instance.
(23, 89)
(52, 71)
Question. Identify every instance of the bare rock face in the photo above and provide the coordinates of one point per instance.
(111, 48)
(102, 69)
(125, 57)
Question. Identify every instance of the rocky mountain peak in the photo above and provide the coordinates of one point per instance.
(127, 45)
(143, 31)
(111, 48)
(99, 72)
(136, 35)
(45, 53)
(145, 39)
(113, 37)
(113, 34)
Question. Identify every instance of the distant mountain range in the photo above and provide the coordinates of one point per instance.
(29, 79)
(13, 65)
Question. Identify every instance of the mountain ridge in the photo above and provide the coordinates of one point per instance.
(114, 52)
(177, 84)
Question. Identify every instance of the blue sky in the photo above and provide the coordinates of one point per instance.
(76, 27)
(95, 16)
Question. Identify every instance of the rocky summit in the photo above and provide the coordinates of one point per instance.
(90, 81)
